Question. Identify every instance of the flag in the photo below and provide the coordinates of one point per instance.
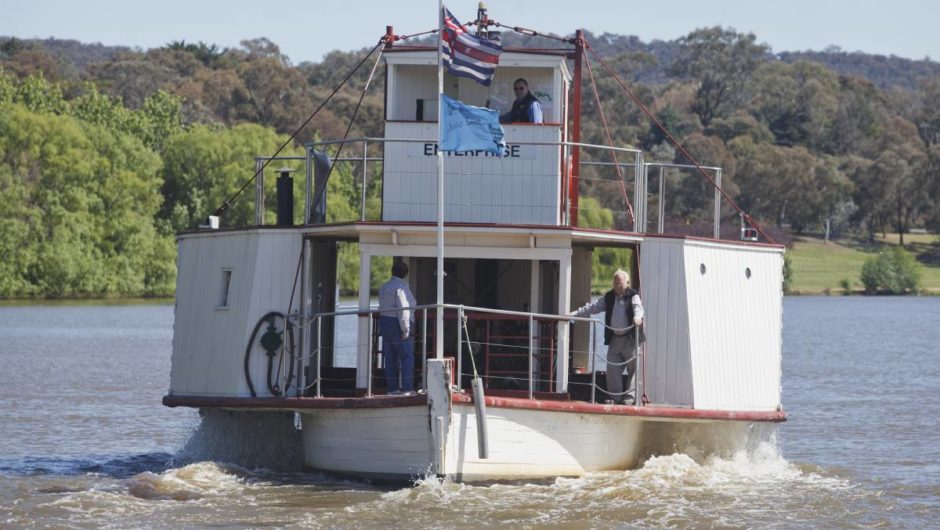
(467, 55)
(469, 128)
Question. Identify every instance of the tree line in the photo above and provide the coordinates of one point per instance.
(105, 155)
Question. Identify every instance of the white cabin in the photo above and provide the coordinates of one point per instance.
(713, 306)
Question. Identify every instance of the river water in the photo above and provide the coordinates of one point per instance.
(85, 442)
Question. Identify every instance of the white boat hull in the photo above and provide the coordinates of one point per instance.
(397, 443)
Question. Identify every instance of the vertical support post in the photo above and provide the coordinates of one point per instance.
(459, 348)
(369, 359)
(439, 334)
(640, 372)
(364, 331)
(365, 167)
(576, 127)
(564, 305)
(662, 200)
(424, 348)
(639, 220)
(308, 185)
(531, 354)
(259, 192)
(304, 305)
(717, 231)
(319, 353)
(592, 341)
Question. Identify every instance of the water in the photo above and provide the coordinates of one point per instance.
(85, 442)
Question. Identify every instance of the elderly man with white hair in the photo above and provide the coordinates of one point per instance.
(623, 315)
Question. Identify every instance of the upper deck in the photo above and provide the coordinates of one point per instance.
(524, 185)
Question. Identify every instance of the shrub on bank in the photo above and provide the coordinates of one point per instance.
(892, 272)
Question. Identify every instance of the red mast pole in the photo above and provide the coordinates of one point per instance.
(576, 128)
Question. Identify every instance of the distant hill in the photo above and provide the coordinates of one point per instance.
(884, 72)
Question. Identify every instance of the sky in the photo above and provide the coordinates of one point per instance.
(306, 30)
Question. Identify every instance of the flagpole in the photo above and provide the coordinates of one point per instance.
(439, 326)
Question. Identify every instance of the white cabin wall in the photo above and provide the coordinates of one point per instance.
(735, 335)
(662, 280)
(581, 272)
(209, 341)
(523, 188)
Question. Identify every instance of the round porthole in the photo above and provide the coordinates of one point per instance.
(701, 268)
(747, 273)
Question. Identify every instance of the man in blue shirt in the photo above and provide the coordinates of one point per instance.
(526, 108)
(396, 325)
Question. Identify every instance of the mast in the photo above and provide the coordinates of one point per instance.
(439, 321)
(576, 127)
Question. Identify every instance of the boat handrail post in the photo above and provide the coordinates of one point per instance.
(424, 349)
(319, 352)
(459, 351)
(259, 191)
(531, 354)
(369, 357)
(638, 195)
(308, 184)
(640, 372)
(592, 346)
(365, 167)
(661, 224)
(717, 231)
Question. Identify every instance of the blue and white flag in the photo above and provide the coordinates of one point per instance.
(469, 128)
(467, 55)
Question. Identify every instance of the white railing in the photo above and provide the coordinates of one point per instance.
(533, 337)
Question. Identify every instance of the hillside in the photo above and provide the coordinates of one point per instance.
(802, 144)
(823, 268)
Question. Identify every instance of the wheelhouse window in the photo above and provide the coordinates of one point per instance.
(224, 290)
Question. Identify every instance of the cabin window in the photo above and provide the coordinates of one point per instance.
(223, 292)
(747, 273)
(701, 268)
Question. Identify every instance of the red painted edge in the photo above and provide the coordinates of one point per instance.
(380, 402)
(649, 411)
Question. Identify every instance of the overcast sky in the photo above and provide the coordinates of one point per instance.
(306, 30)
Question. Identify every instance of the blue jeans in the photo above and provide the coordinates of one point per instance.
(399, 355)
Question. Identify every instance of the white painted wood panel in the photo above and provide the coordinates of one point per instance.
(523, 188)
(735, 325)
(209, 341)
(662, 284)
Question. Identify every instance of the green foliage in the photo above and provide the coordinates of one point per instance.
(78, 214)
(892, 272)
(605, 260)
(204, 166)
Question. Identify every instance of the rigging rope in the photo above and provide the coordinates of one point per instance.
(649, 114)
(610, 142)
(228, 202)
(342, 144)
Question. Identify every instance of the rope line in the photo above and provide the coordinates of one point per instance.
(610, 142)
(228, 202)
(649, 114)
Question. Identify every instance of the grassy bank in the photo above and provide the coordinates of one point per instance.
(821, 268)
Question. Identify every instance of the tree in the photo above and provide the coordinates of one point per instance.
(721, 61)
(79, 219)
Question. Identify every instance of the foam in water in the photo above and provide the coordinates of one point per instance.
(247, 439)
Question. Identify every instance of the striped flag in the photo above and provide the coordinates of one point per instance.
(467, 55)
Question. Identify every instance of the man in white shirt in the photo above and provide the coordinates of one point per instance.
(396, 325)
(623, 315)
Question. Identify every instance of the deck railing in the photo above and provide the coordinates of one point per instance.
(632, 195)
(480, 339)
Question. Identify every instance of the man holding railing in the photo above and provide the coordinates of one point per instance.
(623, 315)
(396, 325)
